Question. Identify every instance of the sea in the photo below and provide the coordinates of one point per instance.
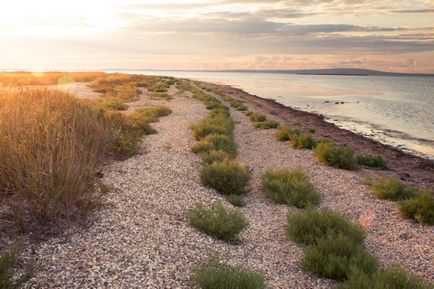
(394, 110)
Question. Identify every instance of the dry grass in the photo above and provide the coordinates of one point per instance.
(50, 145)
(46, 78)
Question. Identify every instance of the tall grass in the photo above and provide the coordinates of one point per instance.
(9, 265)
(50, 145)
(21, 78)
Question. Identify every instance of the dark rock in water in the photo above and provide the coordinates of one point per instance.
(342, 102)
(337, 102)
(326, 101)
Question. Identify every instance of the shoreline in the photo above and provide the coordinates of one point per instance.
(408, 167)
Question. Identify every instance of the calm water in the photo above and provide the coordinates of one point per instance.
(394, 110)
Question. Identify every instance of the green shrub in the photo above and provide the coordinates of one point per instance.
(419, 208)
(336, 258)
(312, 130)
(392, 189)
(257, 117)
(217, 221)
(214, 156)
(223, 143)
(289, 187)
(332, 155)
(268, 124)
(227, 177)
(285, 133)
(217, 275)
(302, 141)
(9, 263)
(371, 161)
(236, 200)
(309, 226)
(238, 105)
(154, 112)
(215, 123)
(202, 147)
(389, 278)
(114, 104)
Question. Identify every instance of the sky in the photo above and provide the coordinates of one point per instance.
(388, 35)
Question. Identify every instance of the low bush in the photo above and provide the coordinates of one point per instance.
(332, 155)
(268, 124)
(309, 226)
(114, 104)
(389, 278)
(392, 189)
(215, 123)
(289, 187)
(236, 200)
(227, 177)
(218, 275)
(302, 141)
(257, 117)
(419, 208)
(9, 264)
(285, 133)
(239, 105)
(216, 142)
(210, 157)
(336, 258)
(371, 161)
(217, 221)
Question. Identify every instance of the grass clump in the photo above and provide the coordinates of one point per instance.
(268, 124)
(228, 177)
(261, 121)
(218, 275)
(309, 226)
(9, 264)
(219, 222)
(212, 156)
(419, 208)
(332, 155)
(392, 189)
(336, 258)
(289, 187)
(236, 200)
(216, 142)
(113, 104)
(238, 105)
(216, 123)
(371, 161)
(389, 278)
(285, 133)
(302, 141)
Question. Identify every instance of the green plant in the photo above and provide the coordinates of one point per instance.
(227, 177)
(302, 141)
(289, 187)
(236, 200)
(419, 208)
(217, 221)
(257, 117)
(218, 275)
(9, 263)
(389, 278)
(210, 157)
(266, 124)
(392, 189)
(371, 161)
(309, 226)
(332, 155)
(285, 133)
(336, 258)
(114, 104)
(216, 123)
(312, 130)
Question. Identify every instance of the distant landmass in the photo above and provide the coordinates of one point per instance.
(337, 71)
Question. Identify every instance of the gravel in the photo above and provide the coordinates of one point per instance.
(141, 238)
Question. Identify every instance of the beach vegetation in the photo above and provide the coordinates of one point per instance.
(303, 141)
(337, 258)
(10, 263)
(216, 274)
(212, 156)
(228, 177)
(388, 278)
(290, 187)
(387, 188)
(336, 156)
(236, 200)
(371, 161)
(309, 226)
(285, 133)
(419, 208)
(217, 221)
